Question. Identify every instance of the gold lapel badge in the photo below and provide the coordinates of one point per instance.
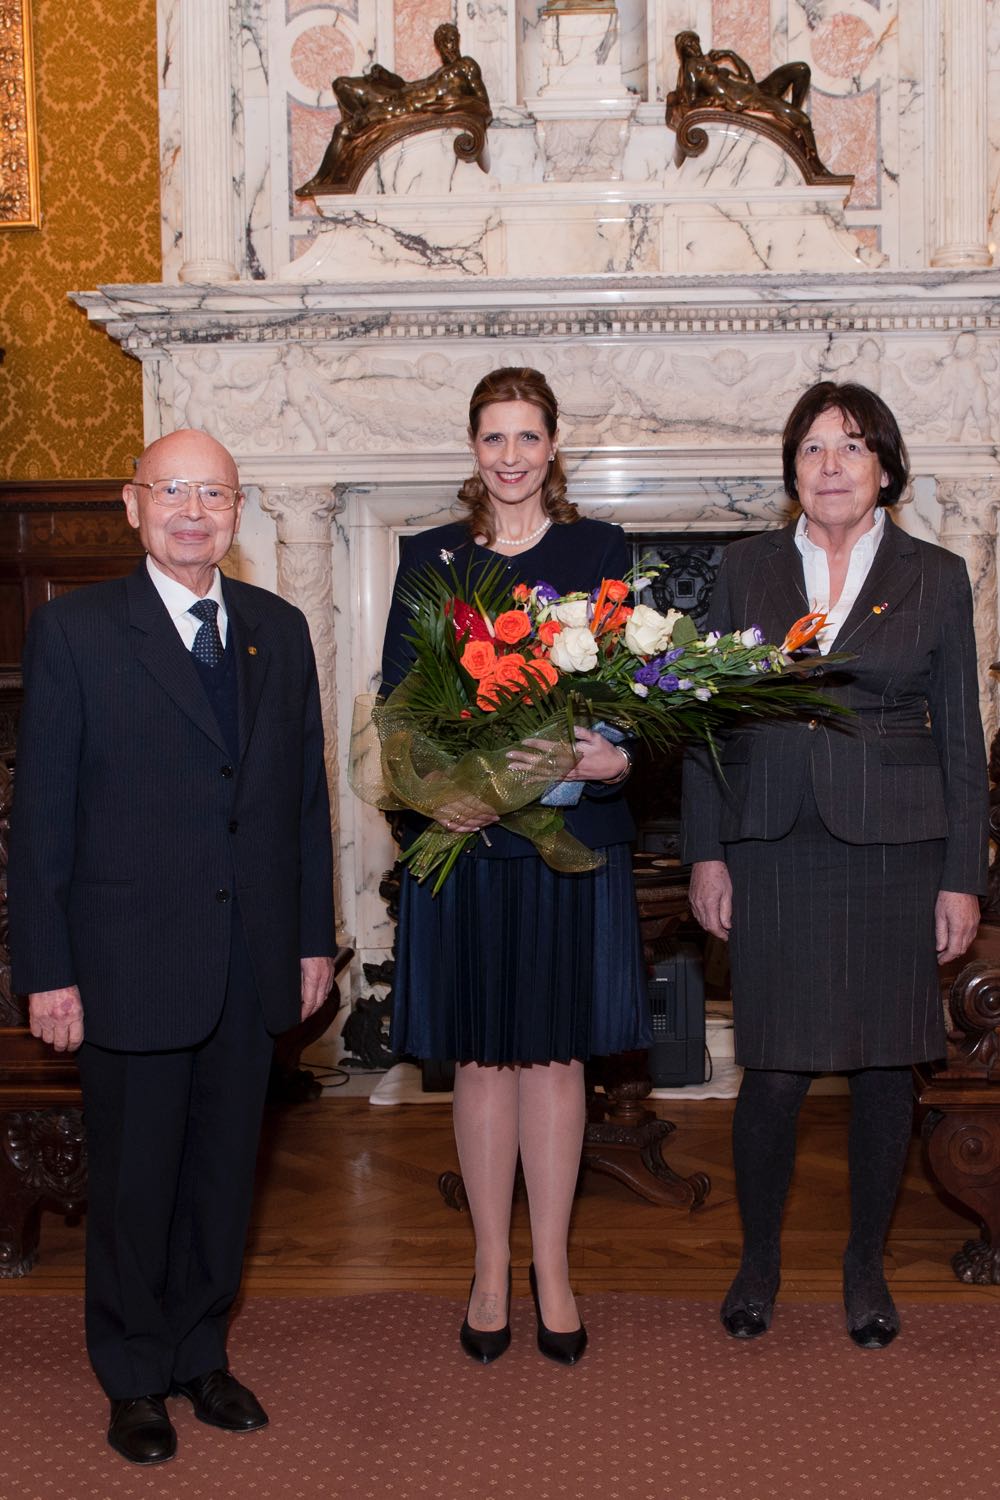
(878, 609)
(251, 651)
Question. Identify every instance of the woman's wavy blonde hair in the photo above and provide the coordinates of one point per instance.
(515, 384)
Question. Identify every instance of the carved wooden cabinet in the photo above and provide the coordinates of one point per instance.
(960, 1104)
(53, 537)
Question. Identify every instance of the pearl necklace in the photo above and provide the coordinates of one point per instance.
(519, 541)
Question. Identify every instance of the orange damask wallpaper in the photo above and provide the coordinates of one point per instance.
(70, 400)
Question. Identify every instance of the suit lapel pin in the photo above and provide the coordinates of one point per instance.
(878, 609)
(251, 651)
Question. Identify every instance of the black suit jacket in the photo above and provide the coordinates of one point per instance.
(135, 829)
(910, 765)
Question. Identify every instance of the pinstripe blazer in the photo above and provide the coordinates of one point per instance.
(134, 827)
(910, 765)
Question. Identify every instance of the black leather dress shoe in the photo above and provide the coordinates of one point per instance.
(220, 1400)
(141, 1431)
(876, 1333)
(563, 1348)
(748, 1321)
(482, 1344)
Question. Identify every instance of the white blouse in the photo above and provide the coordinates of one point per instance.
(817, 573)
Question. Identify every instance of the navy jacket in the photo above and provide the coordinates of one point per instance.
(135, 828)
(570, 558)
(910, 764)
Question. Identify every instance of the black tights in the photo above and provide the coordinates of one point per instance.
(764, 1125)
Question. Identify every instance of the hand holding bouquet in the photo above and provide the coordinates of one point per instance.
(484, 724)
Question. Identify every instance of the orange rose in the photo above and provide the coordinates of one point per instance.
(615, 590)
(544, 672)
(619, 619)
(522, 593)
(509, 671)
(548, 631)
(478, 658)
(488, 695)
(512, 626)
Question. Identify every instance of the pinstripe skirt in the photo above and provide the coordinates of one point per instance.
(832, 951)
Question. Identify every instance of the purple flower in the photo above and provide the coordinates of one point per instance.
(545, 593)
(671, 656)
(685, 683)
(764, 665)
(669, 683)
(649, 675)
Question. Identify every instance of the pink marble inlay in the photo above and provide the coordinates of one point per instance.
(867, 235)
(309, 132)
(745, 26)
(416, 55)
(843, 46)
(321, 54)
(846, 132)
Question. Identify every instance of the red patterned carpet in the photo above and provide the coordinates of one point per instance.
(372, 1399)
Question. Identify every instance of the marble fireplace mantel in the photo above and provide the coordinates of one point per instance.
(345, 406)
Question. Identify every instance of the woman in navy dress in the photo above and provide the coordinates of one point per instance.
(517, 972)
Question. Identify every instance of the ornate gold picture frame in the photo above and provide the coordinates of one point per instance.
(19, 199)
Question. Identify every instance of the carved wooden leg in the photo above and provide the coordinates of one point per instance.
(625, 1140)
(42, 1164)
(963, 1152)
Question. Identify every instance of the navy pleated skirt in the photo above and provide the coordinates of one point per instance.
(832, 951)
(513, 962)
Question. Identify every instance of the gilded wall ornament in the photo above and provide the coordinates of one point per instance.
(19, 198)
(379, 109)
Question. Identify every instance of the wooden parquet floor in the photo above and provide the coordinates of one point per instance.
(347, 1202)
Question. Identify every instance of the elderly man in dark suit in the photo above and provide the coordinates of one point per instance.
(171, 910)
(842, 858)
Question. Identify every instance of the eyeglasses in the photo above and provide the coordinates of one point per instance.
(173, 493)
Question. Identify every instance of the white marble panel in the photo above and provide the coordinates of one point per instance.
(993, 123)
(168, 64)
(578, 56)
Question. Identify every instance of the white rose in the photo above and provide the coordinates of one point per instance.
(574, 650)
(574, 613)
(647, 631)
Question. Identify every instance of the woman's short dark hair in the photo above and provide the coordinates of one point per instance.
(515, 383)
(865, 415)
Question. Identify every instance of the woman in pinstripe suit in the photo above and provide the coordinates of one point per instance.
(841, 859)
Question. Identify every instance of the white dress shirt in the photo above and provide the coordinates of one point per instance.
(179, 600)
(816, 567)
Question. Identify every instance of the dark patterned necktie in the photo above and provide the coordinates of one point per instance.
(207, 646)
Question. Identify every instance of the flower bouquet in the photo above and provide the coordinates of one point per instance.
(499, 669)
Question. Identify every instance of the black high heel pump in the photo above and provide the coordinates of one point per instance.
(564, 1348)
(482, 1344)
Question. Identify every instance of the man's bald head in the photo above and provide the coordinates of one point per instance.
(166, 457)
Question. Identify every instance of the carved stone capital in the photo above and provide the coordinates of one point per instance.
(968, 507)
(302, 515)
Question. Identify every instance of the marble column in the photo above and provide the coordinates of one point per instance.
(957, 32)
(969, 529)
(304, 552)
(206, 142)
